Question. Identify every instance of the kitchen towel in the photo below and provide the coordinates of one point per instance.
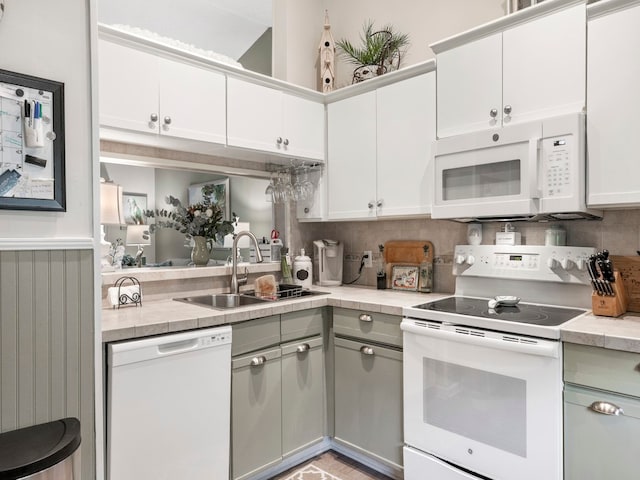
(132, 292)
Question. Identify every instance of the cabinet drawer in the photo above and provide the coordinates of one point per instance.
(304, 323)
(375, 327)
(597, 445)
(255, 334)
(612, 370)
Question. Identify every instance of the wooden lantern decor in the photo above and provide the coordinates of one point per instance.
(327, 56)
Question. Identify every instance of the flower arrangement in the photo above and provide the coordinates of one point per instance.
(203, 219)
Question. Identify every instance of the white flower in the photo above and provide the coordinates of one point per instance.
(197, 213)
(209, 213)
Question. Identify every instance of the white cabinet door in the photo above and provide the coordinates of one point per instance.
(351, 159)
(544, 66)
(613, 101)
(470, 86)
(254, 116)
(302, 127)
(406, 128)
(128, 87)
(192, 102)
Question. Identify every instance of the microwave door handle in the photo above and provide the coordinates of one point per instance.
(534, 168)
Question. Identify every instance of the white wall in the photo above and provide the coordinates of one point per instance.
(298, 25)
(51, 40)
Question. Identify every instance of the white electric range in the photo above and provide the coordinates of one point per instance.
(483, 379)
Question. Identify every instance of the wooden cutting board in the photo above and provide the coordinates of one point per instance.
(629, 267)
(408, 252)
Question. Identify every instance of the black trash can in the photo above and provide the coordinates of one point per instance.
(42, 452)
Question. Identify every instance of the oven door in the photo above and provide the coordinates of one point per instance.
(488, 174)
(488, 402)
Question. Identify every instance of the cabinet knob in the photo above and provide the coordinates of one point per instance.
(366, 350)
(507, 110)
(257, 361)
(286, 141)
(379, 203)
(167, 120)
(493, 113)
(303, 348)
(606, 408)
(371, 205)
(153, 117)
(279, 140)
(365, 317)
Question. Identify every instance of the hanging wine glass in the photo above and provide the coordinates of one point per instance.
(269, 191)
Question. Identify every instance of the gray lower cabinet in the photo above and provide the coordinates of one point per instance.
(368, 399)
(278, 389)
(601, 413)
(303, 398)
(256, 412)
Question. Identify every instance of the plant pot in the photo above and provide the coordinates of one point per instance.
(201, 252)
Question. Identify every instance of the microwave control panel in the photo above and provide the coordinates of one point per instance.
(558, 166)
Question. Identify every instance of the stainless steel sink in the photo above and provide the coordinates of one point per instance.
(222, 301)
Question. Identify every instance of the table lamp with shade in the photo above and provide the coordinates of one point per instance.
(139, 236)
(110, 214)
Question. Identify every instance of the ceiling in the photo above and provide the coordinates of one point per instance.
(228, 27)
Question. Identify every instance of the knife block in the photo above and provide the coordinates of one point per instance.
(611, 305)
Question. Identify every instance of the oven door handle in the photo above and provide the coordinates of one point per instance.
(543, 348)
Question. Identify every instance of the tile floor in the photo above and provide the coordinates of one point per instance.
(340, 466)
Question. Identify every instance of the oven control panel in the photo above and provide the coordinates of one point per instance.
(526, 262)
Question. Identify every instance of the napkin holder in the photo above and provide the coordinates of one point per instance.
(125, 291)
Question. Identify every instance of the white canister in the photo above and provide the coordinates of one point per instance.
(302, 270)
(555, 236)
(474, 233)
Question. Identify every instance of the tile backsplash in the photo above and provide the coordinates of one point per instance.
(618, 231)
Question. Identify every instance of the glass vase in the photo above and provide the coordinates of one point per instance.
(201, 252)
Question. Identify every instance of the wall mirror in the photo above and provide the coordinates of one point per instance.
(147, 187)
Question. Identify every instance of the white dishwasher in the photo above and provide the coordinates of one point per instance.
(168, 406)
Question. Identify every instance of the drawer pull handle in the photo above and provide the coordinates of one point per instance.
(606, 408)
(365, 317)
(366, 350)
(257, 361)
(303, 348)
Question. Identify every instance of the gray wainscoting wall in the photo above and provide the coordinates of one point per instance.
(47, 341)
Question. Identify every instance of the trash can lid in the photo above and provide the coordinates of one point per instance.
(33, 449)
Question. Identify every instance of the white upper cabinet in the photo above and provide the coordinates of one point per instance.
(351, 157)
(379, 151)
(613, 102)
(270, 120)
(406, 129)
(505, 73)
(146, 93)
(470, 86)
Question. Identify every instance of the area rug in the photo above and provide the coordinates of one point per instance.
(311, 472)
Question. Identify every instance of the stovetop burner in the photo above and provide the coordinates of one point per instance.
(522, 313)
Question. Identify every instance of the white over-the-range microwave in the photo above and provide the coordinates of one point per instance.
(528, 171)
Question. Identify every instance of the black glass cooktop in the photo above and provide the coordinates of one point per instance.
(522, 312)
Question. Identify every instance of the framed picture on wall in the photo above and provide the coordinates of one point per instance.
(220, 195)
(520, 4)
(134, 205)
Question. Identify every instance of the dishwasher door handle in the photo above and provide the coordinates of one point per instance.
(180, 346)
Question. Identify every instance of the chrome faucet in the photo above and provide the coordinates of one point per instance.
(235, 281)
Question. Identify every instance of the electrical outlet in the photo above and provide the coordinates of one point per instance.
(368, 261)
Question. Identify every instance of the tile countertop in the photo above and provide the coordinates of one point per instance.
(621, 333)
(165, 316)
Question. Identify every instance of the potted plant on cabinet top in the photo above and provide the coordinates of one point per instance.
(381, 51)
